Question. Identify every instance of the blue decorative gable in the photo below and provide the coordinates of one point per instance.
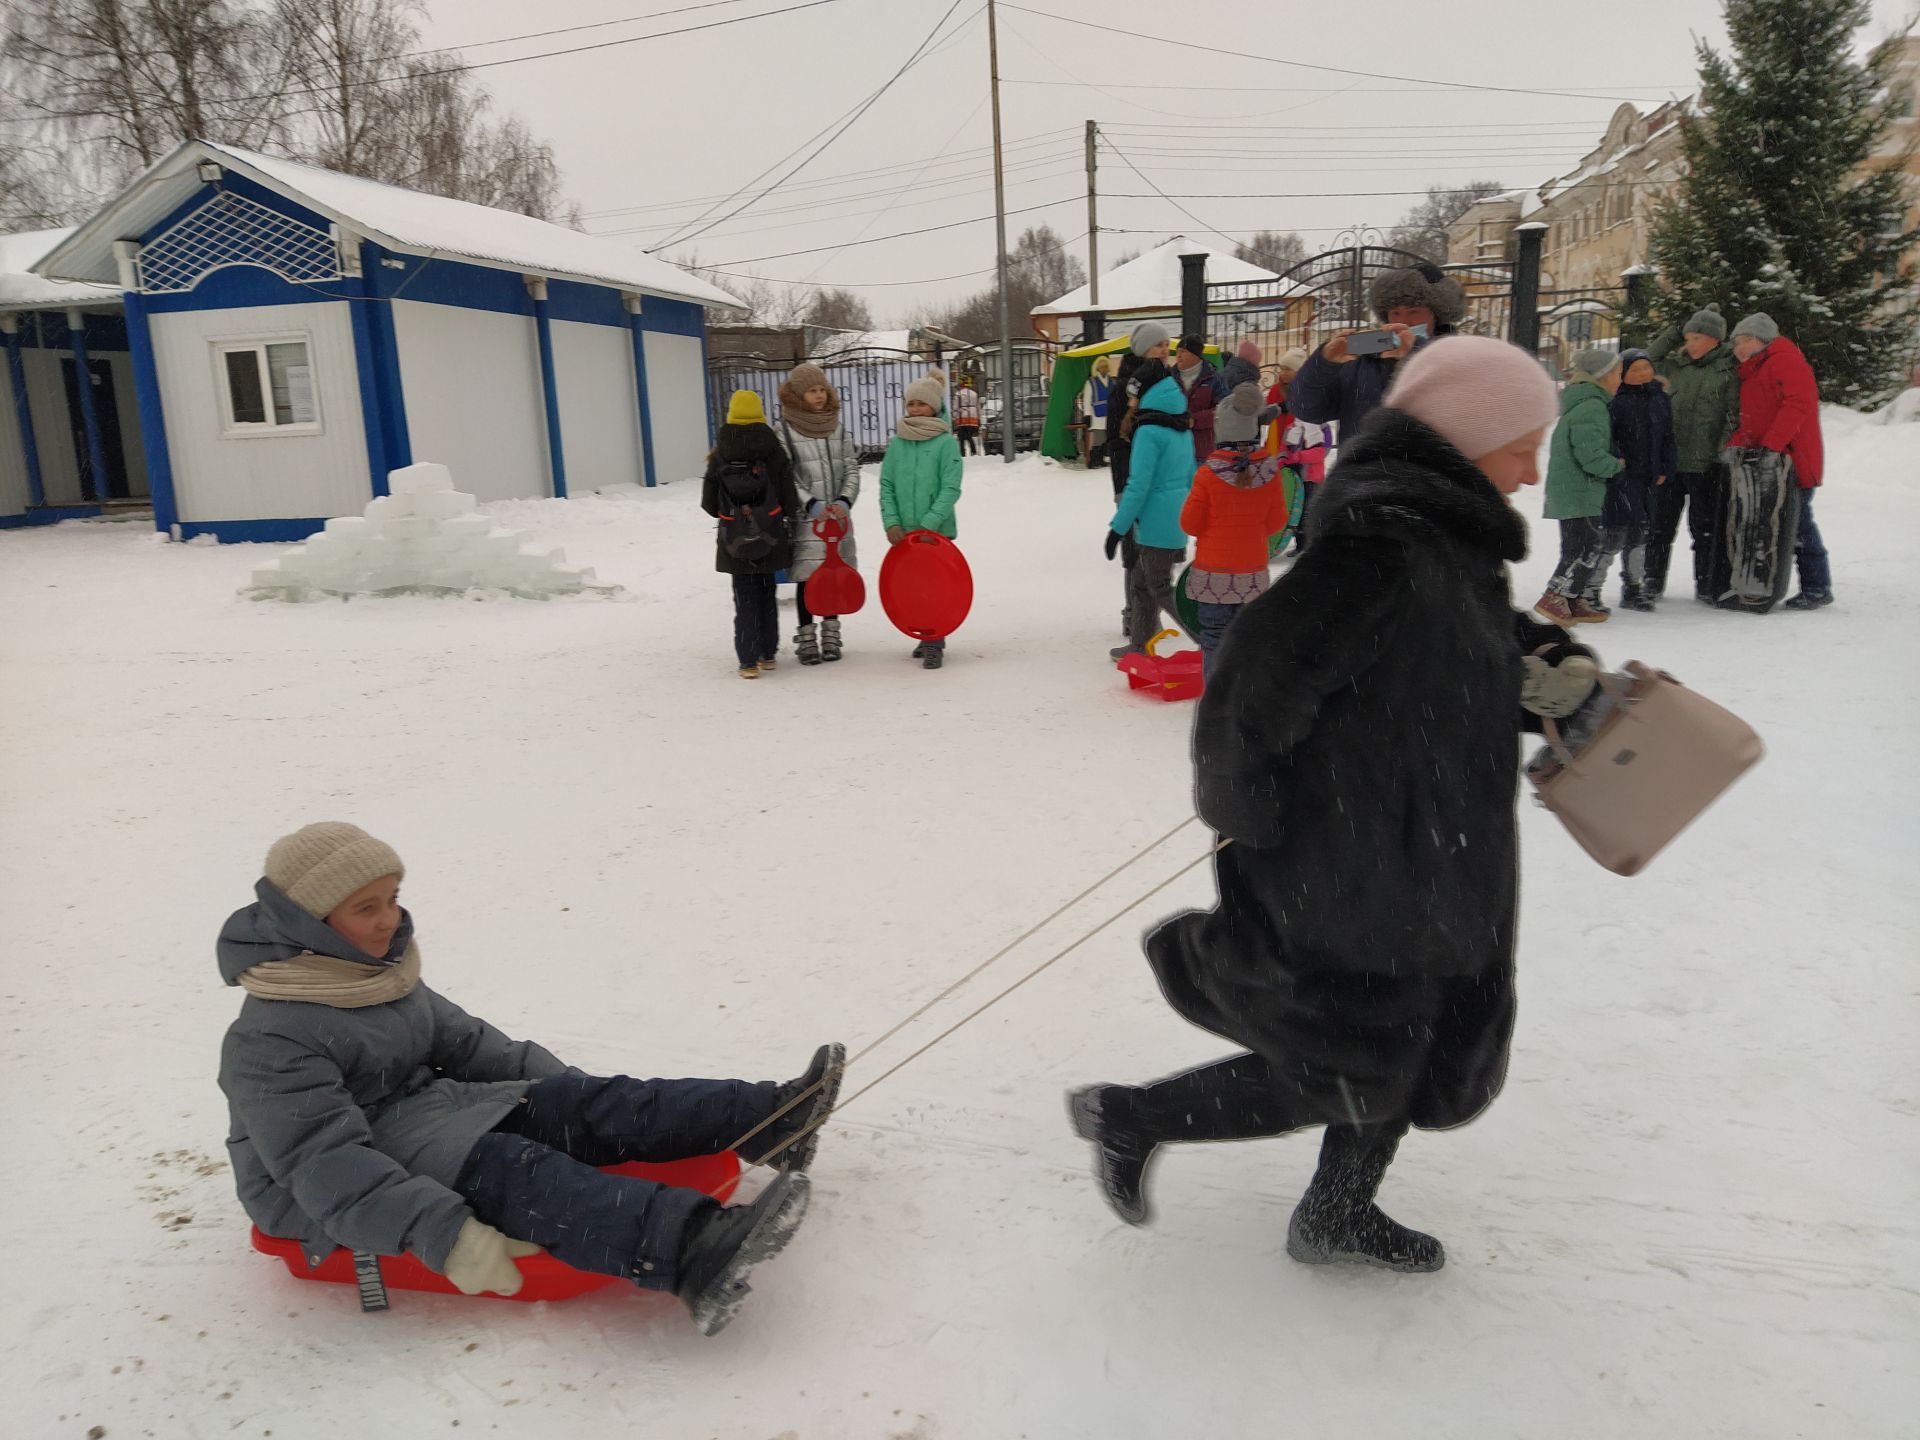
(232, 229)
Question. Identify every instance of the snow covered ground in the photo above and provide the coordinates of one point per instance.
(1693, 1213)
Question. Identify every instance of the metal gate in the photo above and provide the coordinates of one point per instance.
(872, 386)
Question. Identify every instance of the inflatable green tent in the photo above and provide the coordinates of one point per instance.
(1071, 370)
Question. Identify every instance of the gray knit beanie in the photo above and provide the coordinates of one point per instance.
(1239, 418)
(1595, 362)
(1707, 321)
(318, 866)
(1147, 334)
(930, 390)
(1760, 326)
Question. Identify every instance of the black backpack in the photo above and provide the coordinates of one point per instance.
(752, 523)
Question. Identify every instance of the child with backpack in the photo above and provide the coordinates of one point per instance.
(749, 490)
(826, 472)
(1158, 477)
(371, 1113)
(1237, 503)
(920, 479)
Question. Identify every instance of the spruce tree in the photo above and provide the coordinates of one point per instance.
(1783, 208)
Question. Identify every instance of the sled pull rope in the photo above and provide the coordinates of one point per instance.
(973, 1015)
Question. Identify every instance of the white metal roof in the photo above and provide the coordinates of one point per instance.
(407, 221)
(1152, 281)
(21, 289)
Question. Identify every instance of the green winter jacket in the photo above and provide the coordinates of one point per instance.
(1706, 398)
(920, 484)
(1582, 459)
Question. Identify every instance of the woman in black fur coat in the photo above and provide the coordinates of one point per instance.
(1356, 751)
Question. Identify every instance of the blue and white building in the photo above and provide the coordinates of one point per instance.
(293, 334)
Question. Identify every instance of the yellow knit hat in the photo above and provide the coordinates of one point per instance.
(745, 409)
(320, 865)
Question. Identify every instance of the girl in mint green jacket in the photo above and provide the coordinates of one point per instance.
(920, 478)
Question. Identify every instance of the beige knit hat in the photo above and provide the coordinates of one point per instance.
(318, 866)
(930, 389)
(1294, 360)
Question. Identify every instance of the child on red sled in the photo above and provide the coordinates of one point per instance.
(370, 1112)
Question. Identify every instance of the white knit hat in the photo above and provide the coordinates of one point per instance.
(930, 390)
(318, 866)
(1478, 392)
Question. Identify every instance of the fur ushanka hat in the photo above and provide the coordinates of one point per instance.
(1426, 286)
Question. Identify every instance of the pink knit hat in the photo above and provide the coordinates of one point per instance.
(1478, 392)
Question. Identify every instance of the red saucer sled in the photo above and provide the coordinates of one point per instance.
(836, 587)
(925, 586)
(1165, 677)
(546, 1278)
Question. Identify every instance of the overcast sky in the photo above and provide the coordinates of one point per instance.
(649, 133)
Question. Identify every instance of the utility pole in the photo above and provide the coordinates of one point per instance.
(1007, 397)
(1093, 220)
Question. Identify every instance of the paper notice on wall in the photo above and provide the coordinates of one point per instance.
(300, 394)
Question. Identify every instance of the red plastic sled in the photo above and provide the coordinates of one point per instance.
(546, 1278)
(1165, 677)
(836, 587)
(925, 586)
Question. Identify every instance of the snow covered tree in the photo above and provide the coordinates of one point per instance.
(1791, 203)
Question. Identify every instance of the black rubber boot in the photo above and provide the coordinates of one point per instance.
(1120, 1155)
(1336, 1221)
(724, 1244)
(820, 1087)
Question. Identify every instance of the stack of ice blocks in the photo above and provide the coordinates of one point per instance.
(423, 535)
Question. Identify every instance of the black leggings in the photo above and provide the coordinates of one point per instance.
(804, 616)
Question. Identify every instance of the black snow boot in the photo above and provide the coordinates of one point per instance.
(1120, 1156)
(802, 1106)
(1809, 600)
(1633, 598)
(1336, 1221)
(724, 1243)
(920, 651)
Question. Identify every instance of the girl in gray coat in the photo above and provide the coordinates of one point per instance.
(369, 1112)
(826, 471)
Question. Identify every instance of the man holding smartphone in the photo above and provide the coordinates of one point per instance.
(1346, 379)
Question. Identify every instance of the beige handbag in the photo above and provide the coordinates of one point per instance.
(1660, 755)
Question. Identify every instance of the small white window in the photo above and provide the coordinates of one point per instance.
(267, 387)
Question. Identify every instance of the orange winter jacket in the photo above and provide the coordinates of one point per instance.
(1236, 503)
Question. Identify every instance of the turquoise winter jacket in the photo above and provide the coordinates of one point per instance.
(1161, 474)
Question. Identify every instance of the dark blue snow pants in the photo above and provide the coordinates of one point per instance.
(534, 1177)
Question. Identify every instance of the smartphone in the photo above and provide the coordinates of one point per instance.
(1372, 342)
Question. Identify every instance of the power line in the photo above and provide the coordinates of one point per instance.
(1307, 65)
(1426, 89)
(894, 284)
(1058, 148)
(1147, 180)
(1160, 194)
(866, 105)
(900, 234)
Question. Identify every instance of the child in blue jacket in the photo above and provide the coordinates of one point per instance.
(1157, 483)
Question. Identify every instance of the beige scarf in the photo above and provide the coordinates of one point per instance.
(814, 424)
(921, 427)
(325, 980)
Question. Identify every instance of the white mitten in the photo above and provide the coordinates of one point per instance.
(1556, 691)
(482, 1259)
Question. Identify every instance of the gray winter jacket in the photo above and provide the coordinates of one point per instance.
(824, 470)
(351, 1126)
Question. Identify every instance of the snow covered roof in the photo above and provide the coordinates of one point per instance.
(1152, 281)
(845, 341)
(21, 289)
(407, 221)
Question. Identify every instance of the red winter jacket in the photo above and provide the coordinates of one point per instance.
(1233, 520)
(1780, 408)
